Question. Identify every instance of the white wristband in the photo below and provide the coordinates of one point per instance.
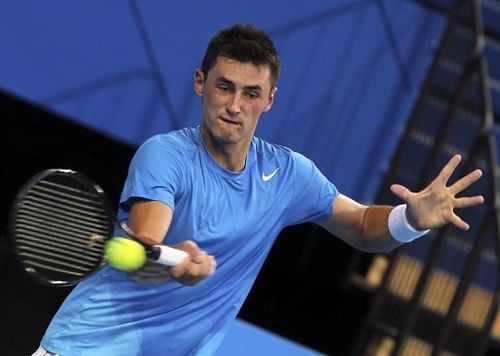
(400, 228)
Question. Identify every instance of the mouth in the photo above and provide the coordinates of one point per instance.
(229, 121)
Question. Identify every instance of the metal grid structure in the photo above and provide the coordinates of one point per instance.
(440, 295)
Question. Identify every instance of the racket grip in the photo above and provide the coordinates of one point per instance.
(166, 255)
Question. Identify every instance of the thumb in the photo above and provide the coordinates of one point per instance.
(401, 191)
(191, 248)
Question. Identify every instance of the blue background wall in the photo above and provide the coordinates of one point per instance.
(125, 68)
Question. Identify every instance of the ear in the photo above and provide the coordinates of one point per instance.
(270, 102)
(199, 81)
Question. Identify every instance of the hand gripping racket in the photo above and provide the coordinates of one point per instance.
(60, 222)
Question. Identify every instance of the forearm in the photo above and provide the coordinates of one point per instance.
(150, 220)
(374, 235)
(367, 227)
(384, 228)
(361, 226)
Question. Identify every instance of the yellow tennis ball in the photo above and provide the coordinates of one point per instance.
(124, 254)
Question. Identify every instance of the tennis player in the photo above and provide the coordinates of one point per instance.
(222, 194)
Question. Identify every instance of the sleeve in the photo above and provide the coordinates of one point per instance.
(154, 174)
(313, 195)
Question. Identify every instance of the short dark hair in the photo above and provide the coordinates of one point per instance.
(244, 43)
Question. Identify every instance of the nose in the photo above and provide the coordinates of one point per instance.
(233, 107)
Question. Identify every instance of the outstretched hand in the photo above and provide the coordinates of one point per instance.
(434, 206)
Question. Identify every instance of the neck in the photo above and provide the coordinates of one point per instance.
(229, 155)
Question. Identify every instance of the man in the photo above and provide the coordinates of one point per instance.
(219, 189)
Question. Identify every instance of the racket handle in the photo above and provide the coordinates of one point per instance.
(166, 255)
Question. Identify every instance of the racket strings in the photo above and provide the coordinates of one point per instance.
(52, 241)
(54, 196)
(52, 218)
(65, 272)
(56, 259)
(61, 227)
(51, 226)
(69, 215)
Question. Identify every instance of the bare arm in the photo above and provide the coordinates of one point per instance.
(363, 227)
(366, 227)
(150, 221)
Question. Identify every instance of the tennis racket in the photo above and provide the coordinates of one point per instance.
(59, 224)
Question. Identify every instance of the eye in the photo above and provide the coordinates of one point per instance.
(224, 88)
(252, 94)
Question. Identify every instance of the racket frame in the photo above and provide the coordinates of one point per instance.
(160, 253)
(22, 194)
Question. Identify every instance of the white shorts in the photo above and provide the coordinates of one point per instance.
(42, 352)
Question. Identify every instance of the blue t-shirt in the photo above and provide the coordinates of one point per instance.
(235, 216)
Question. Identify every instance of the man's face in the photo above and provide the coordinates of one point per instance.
(235, 94)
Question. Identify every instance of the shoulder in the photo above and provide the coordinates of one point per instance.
(279, 153)
(166, 151)
(178, 144)
(183, 139)
(267, 149)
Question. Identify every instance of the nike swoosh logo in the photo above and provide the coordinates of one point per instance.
(266, 177)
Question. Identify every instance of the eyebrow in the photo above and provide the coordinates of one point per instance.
(230, 82)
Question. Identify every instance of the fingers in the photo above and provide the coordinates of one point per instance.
(434, 205)
(194, 274)
(468, 201)
(194, 269)
(449, 168)
(458, 222)
(401, 191)
(200, 257)
(213, 266)
(464, 182)
(204, 265)
(190, 247)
